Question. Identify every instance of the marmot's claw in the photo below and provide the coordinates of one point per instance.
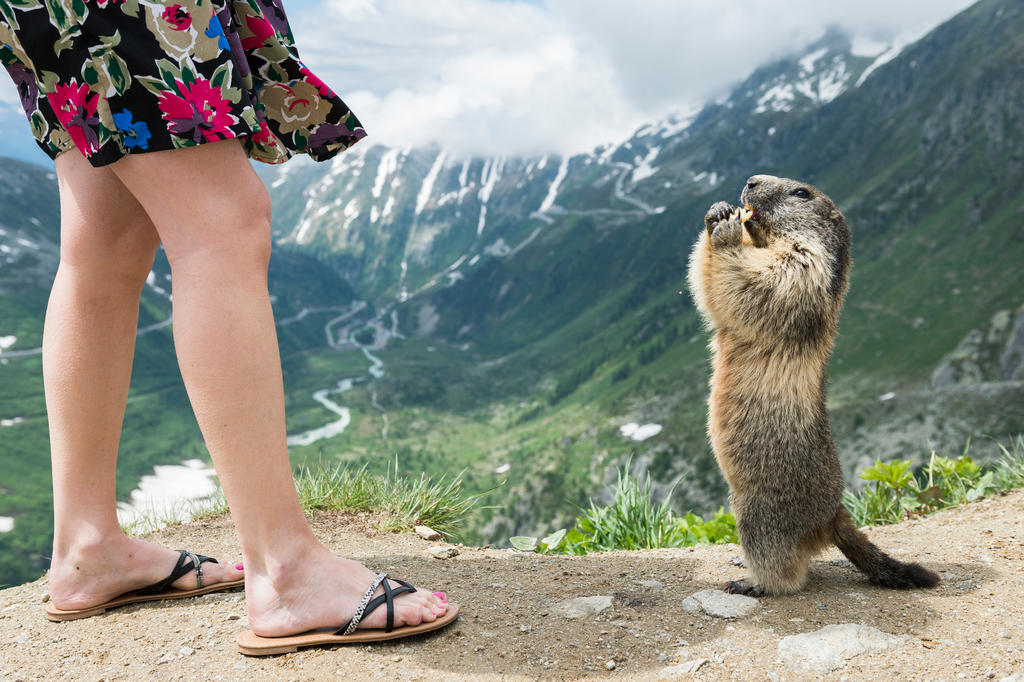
(743, 587)
(727, 233)
(717, 213)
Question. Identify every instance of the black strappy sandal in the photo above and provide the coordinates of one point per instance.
(251, 644)
(187, 562)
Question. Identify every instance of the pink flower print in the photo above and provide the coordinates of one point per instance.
(260, 29)
(178, 17)
(264, 136)
(200, 110)
(75, 108)
(315, 81)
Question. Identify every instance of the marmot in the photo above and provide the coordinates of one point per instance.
(769, 280)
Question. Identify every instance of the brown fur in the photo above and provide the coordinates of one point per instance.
(771, 289)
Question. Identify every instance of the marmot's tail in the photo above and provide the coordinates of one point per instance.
(881, 568)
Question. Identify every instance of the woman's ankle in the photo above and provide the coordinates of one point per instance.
(86, 542)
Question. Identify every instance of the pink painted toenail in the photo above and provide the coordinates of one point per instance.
(442, 596)
(239, 567)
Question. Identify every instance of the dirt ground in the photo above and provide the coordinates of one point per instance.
(970, 627)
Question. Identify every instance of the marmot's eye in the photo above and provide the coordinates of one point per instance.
(801, 192)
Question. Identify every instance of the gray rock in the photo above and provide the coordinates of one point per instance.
(992, 354)
(442, 552)
(1012, 358)
(832, 646)
(650, 583)
(687, 668)
(427, 533)
(720, 604)
(1016, 677)
(581, 607)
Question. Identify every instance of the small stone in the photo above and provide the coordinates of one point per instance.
(525, 629)
(653, 584)
(682, 668)
(830, 647)
(46, 597)
(965, 585)
(720, 604)
(234, 616)
(582, 607)
(442, 552)
(396, 659)
(185, 651)
(610, 665)
(427, 533)
(1016, 677)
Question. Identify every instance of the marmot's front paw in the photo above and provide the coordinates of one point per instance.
(727, 233)
(717, 213)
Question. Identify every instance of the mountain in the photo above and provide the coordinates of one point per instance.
(552, 289)
(526, 320)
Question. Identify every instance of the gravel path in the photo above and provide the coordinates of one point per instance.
(521, 618)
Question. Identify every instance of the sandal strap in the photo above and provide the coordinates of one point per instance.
(187, 562)
(369, 605)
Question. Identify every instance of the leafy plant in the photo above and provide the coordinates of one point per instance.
(945, 482)
(632, 520)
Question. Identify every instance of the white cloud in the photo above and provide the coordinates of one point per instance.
(501, 77)
(472, 75)
(507, 77)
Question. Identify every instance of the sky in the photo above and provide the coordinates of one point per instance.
(563, 76)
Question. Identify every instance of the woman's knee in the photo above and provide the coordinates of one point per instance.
(121, 252)
(240, 229)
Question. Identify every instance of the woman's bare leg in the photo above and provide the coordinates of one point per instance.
(107, 249)
(213, 216)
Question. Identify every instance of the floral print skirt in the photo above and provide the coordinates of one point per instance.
(117, 77)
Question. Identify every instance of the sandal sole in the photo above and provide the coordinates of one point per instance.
(59, 615)
(251, 644)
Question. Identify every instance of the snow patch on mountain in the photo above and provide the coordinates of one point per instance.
(808, 61)
(488, 179)
(351, 212)
(549, 200)
(388, 164)
(428, 183)
(884, 58)
(643, 168)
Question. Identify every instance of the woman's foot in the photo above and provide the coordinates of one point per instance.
(94, 573)
(323, 591)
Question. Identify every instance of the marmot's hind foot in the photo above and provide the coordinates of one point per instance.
(743, 587)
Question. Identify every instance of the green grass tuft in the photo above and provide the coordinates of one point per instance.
(439, 503)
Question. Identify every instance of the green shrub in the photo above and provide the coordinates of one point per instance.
(632, 521)
(945, 482)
